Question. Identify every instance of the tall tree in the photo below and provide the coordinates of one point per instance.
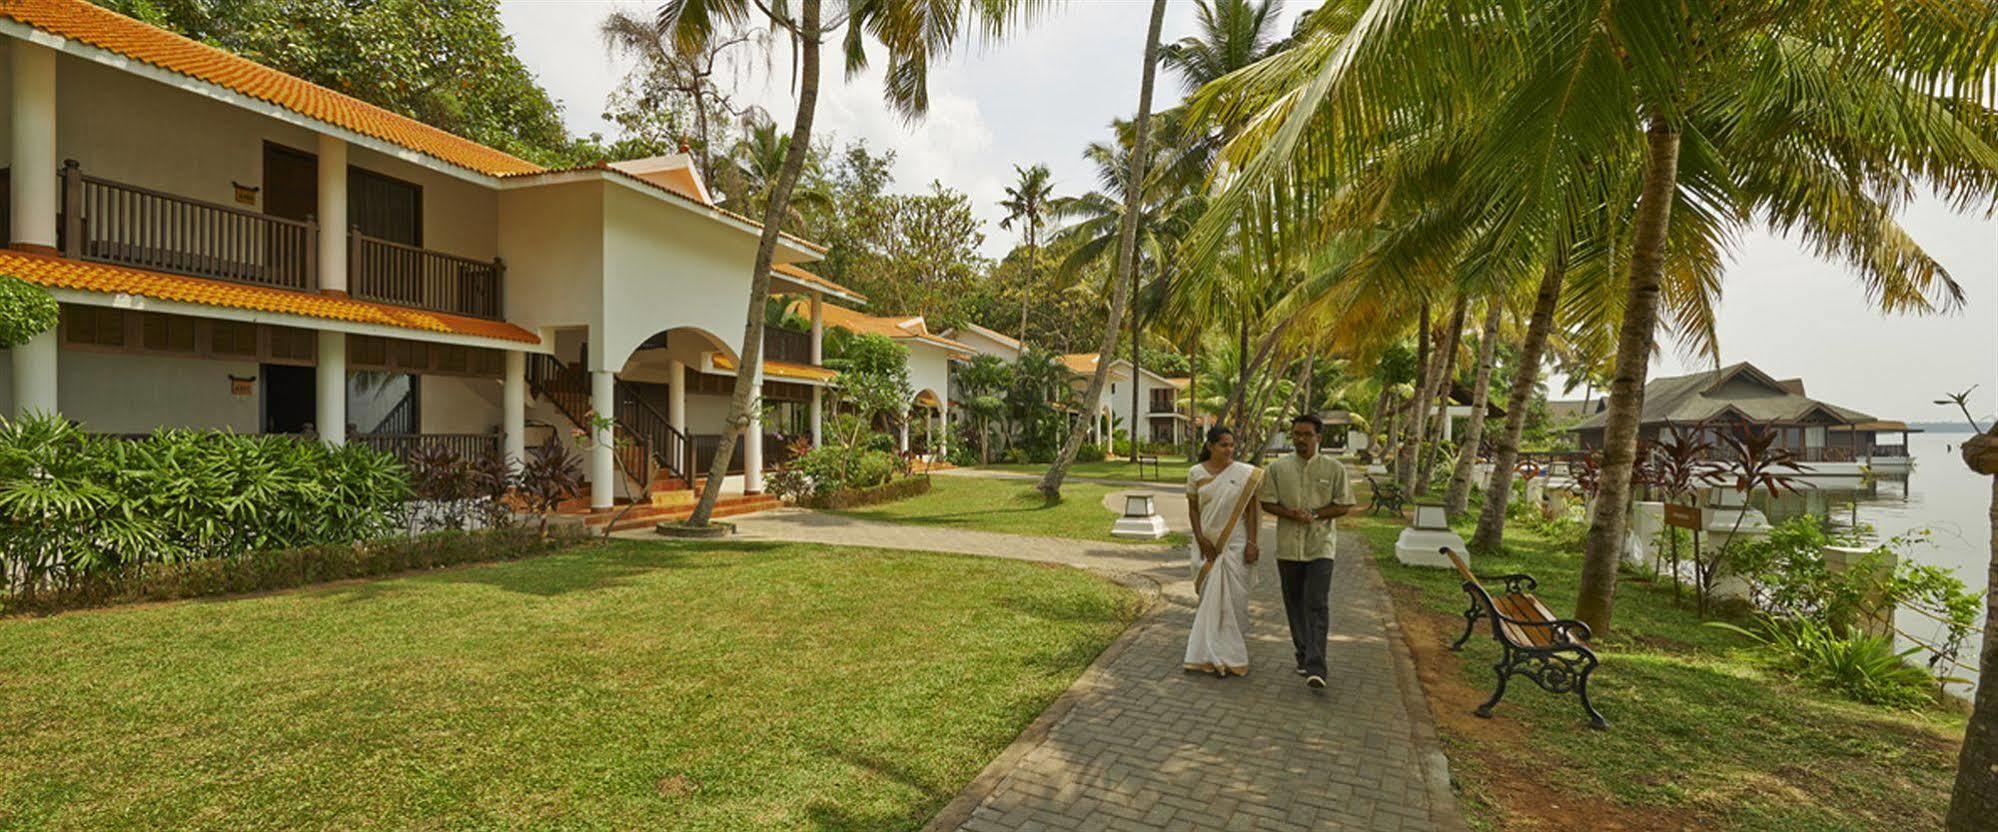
(1490, 535)
(1973, 802)
(671, 86)
(1459, 496)
(1027, 203)
(913, 33)
(1127, 244)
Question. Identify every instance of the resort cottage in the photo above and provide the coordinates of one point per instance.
(237, 249)
(1828, 439)
(1164, 412)
(930, 358)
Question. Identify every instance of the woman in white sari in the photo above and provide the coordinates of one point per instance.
(1221, 499)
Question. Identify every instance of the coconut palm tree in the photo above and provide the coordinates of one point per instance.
(1818, 118)
(1027, 202)
(1126, 263)
(911, 32)
(1458, 497)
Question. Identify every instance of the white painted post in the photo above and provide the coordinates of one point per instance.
(330, 409)
(34, 200)
(513, 407)
(752, 438)
(676, 395)
(603, 468)
(818, 358)
(35, 374)
(332, 214)
(942, 450)
(902, 432)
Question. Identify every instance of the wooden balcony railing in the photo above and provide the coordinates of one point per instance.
(780, 344)
(388, 272)
(403, 446)
(112, 222)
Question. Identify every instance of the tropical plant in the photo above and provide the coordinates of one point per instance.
(983, 381)
(1027, 202)
(1863, 667)
(1750, 460)
(26, 310)
(73, 504)
(912, 34)
(551, 476)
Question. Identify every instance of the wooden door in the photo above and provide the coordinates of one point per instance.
(291, 182)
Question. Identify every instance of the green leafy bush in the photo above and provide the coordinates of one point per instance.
(72, 504)
(832, 469)
(1090, 453)
(1862, 667)
(26, 310)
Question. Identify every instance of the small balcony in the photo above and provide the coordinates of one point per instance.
(789, 345)
(123, 224)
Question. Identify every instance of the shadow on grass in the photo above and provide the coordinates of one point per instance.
(593, 568)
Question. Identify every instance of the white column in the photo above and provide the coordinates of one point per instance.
(332, 214)
(676, 395)
(33, 198)
(818, 358)
(35, 374)
(752, 438)
(603, 469)
(330, 414)
(942, 449)
(513, 407)
(902, 432)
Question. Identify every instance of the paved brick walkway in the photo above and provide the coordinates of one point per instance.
(1139, 744)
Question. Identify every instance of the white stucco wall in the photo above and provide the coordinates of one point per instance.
(929, 369)
(552, 241)
(459, 404)
(109, 393)
(666, 268)
(984, 345)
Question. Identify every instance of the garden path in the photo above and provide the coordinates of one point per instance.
(1139, 744)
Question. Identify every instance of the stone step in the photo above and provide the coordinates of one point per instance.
(647, 516)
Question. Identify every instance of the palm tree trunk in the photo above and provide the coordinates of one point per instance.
(1604, 544)
(1974, 801)
(1374, 420)
(1418, 406)
(1490, 536)
(1127, 258)
(1033, 263)
(1445, 381)
(1459, 495)
(766, 250)
(1137, 369)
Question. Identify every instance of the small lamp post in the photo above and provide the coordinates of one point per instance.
(1421, 543)
(1141, 520)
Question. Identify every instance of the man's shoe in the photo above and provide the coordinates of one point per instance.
(1316, 681)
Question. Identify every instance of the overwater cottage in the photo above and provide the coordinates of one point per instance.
(1830, 439)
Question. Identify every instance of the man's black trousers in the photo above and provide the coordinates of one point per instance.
(1307, 585)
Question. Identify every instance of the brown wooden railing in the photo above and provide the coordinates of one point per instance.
(1889, 451)
(646, 438)
(389, 272)
(780, 344)
(112, 222)
(404, 446)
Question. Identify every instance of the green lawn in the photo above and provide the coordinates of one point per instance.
(1171, 469)
(1702, 735)
(994, 504)
(730, 686)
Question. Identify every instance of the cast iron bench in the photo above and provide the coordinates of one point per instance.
(1553, 652)
(1386, 497)
(1148, 459)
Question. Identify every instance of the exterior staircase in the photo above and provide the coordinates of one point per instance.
(648, 446)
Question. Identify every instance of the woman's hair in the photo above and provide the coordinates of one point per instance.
(1214, 435)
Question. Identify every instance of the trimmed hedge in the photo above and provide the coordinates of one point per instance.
(290, 568)
(901, 489)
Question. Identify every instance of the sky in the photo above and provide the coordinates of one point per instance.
(1042, 95)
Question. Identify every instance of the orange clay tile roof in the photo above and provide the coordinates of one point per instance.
(59, 273)
(85, 23)
(1080, 363)
(782, 369)
(806, 277)
(909, 327)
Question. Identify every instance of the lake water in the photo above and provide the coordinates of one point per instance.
(1939, 495)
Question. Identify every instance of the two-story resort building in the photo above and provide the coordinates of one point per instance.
(930, 357)
(1827, 439)
(235, 248)
(1163, 416)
